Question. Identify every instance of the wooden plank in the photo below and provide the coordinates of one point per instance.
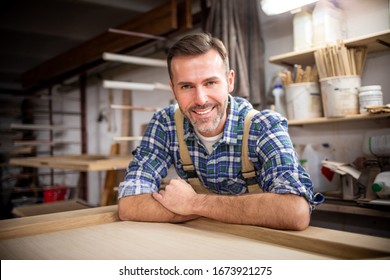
(76, 162)
(82, 225)
(185, 14)
(107, 195)
(355, 210)
(41, 127)
(140, 241)
(26, 226)
(339, 244)
(159, 21)
(126, 122)
(44, 143)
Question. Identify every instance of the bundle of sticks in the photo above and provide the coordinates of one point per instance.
(338, 60)
(299, 75)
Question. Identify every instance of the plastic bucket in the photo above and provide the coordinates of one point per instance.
(303, 101)
(340, 96)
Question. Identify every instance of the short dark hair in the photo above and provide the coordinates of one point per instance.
(197, 44)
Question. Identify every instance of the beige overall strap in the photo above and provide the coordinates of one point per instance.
(248, 170)
(247, 167)
(185, 158)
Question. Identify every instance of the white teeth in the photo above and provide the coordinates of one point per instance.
(203, 112)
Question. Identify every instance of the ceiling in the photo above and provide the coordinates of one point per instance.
(34, 31)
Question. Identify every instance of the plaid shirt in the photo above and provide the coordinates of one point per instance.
(270, 150)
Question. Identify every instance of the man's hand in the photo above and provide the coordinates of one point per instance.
(178, 197)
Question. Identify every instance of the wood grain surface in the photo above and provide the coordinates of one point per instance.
(97, 233)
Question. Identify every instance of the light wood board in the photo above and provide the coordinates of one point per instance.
(132, 240)
(75, 162)
(97, 233)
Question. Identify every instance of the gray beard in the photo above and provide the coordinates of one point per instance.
(198, 126)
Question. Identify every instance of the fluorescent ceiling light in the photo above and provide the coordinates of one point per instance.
(135, 86)
(134, 60)
(275, 7)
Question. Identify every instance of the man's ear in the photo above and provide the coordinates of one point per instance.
(172, 91)
(231, 81)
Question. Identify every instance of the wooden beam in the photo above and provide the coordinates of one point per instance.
(27, 226)
(326, 242)
(126, 123)
(23, 126)
(107, 196)
(158, 21)
(339, 244)
(184, 16)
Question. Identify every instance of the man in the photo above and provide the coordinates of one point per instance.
(213, 125)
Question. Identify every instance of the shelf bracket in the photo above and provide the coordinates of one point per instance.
(384, 43)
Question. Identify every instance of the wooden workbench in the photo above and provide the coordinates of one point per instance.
(97, 233)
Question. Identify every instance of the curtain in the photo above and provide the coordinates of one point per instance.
(237, 24)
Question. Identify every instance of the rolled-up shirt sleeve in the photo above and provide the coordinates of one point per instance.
(150, 162)
(280, 170)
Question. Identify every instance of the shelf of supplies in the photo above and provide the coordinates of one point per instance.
(339, 119)
(375, 42)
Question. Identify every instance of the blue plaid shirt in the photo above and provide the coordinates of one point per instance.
(270, 150)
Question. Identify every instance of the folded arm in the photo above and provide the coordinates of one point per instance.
(145, 208)
(278, 211)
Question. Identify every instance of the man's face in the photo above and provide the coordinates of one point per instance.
(201, 88)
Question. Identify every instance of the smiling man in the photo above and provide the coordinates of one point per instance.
(207, 137)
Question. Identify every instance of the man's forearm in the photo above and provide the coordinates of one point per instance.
(278, 211)
(145, 208)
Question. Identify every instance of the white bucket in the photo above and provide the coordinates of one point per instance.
(370, 96)
(340, 95)
(303, 101)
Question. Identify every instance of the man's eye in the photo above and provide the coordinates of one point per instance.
(211, 83)
(184, 87)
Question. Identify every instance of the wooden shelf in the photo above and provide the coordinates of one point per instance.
(76, 162)
(41, 127)
(352, 208)
(339, 119)
(376, 42)
(44, 143)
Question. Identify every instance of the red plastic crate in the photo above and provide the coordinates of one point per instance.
(57, 193)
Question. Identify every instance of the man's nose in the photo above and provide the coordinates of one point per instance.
(200, 96)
